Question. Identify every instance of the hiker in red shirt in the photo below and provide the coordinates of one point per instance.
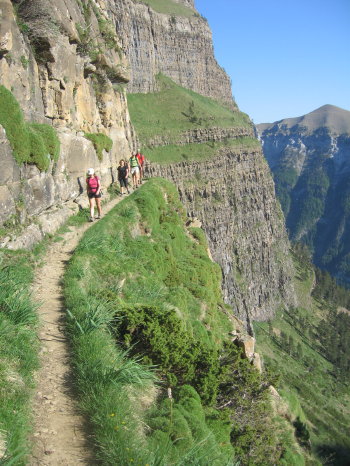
(141, 159)
(93, 187)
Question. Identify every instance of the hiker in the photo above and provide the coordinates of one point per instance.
(141, 159)
(123, 173)
(134, 169)
(93, 187)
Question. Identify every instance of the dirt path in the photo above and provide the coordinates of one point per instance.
(60, 432)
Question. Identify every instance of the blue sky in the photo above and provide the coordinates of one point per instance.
(285, 57)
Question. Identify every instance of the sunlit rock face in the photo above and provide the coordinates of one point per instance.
(60, 76)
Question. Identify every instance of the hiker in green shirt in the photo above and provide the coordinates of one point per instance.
(134, 169)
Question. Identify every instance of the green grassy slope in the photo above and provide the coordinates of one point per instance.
(174, 110)
(145, 315)
(169, 7)
(310, 383)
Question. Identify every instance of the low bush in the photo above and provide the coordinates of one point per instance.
(30, 142)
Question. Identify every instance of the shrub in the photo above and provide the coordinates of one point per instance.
(30, 142)
(100, 142)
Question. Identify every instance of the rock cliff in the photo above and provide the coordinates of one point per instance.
(178, 45)
(67, 65)
(310, 159)
(233, 197)
(64, 65)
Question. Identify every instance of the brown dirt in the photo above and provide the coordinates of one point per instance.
(60, 433)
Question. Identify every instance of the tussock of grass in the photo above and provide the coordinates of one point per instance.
(18, 355)
(31, 142)
(101, 142)
(175, 109)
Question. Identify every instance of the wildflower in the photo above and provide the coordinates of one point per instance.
(116, 427)
(112, 414)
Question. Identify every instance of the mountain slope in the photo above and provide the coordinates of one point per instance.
(310, 159)
(315, 385)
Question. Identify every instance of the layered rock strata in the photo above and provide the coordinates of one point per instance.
(179, 47)
(233, 196)
(200, 135)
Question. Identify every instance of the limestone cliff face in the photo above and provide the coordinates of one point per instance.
(178, 46)
(233, 197)
(64, 65)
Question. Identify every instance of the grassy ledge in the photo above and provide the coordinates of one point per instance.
(169, 7)
(156, 371)
(18, 354)
(173, 153)
(31, 142)
(175, 109)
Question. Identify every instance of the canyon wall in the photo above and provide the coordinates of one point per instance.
(178, 46)
(68, 63)
(233, 197)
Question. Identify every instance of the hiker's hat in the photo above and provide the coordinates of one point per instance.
(90, 171)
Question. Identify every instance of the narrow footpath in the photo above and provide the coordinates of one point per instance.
(60, 434)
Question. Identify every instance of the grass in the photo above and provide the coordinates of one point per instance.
(18, 355)
(101, 142)
(31, 142)
(165, 267)
(308, 380)
(145, 314)
(173, 153)
(169, 7)
(174, 109)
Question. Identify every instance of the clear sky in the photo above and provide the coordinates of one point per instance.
(285, 57)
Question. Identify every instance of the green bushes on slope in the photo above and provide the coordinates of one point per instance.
(295, 344)
(31, 142)
(146, 314)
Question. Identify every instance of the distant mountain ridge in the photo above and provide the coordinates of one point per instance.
(328, 116)
(310, 160)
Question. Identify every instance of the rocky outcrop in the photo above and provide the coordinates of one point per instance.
(310, 159)
(63, 63)
(179, 47)
(233, 197)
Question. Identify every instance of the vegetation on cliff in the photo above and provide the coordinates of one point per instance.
(146, 315)
(31, 142)
(101, 142)
(176, 116)
(309, 347)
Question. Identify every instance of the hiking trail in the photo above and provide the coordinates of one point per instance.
(60, 433)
